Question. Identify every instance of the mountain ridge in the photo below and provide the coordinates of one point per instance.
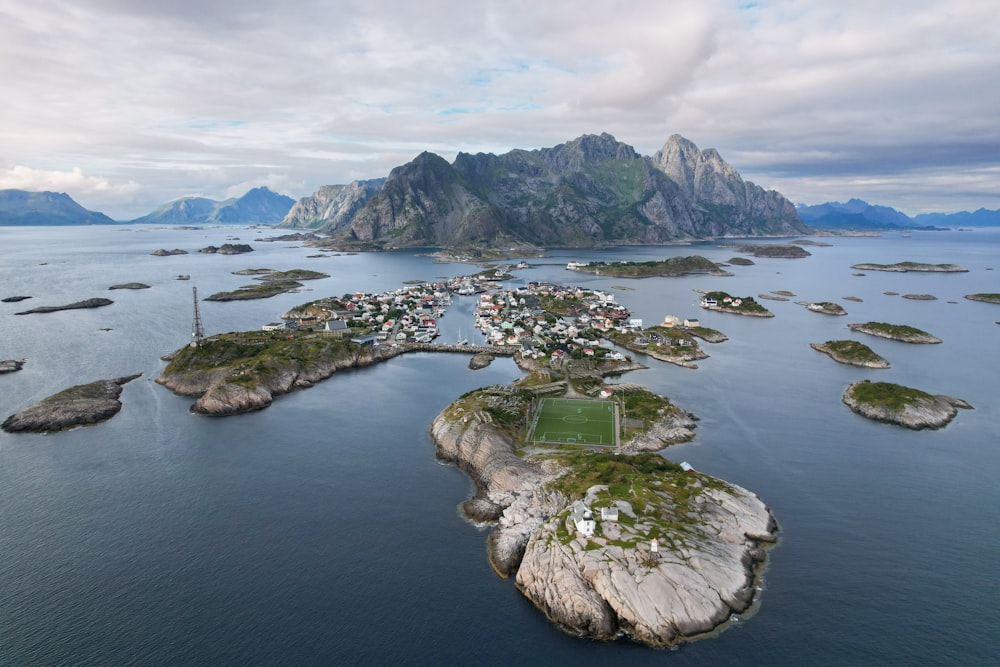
(592, 190)
(24, 207)
(258, 206)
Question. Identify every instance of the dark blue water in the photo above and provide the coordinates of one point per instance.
(323, 531)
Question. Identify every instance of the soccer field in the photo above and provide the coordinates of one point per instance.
(575, 421)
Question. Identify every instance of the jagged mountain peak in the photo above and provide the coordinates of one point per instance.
(591, 190)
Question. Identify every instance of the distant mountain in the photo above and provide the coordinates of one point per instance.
(980, 218)
(855, 214)
(20, 207)
(258, 206)
(590, 191)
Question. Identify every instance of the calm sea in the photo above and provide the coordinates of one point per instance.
(322, 530)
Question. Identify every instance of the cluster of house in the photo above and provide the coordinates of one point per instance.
(709, 302)
(583, 517)
(517, 317)
(406, 314)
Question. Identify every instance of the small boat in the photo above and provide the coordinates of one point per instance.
(462, 341)
(183, 276)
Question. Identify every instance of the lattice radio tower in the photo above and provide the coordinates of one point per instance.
(197, 331)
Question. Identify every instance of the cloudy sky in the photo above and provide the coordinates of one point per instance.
(127, 104)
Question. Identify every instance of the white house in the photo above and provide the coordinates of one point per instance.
(583, 519)
(609, 514)
(273, 326)
(692, 322)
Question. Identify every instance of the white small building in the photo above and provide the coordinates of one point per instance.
(273, 326)
(635, 323)
(692, 322)
(583, 519)
(609, 514)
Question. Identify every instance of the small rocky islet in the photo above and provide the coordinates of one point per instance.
(851, 352)
(899, 332)
(11, 365)
(902, 406)
(86, 303)
(903, 267)
(81, 405)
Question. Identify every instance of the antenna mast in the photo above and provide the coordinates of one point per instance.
(197, 332)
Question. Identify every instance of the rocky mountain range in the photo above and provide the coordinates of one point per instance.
(858, 214)
(20, 207)
(593, 190)
(258, 206)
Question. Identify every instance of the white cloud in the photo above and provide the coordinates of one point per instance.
(193, 97)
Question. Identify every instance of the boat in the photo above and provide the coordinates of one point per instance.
(461, 341)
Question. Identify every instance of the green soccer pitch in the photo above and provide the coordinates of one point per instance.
(574, 421)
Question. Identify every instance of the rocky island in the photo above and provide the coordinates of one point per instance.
(774, 250)
(11, 365)
(272, 283)
(902, 406)
(670, 344)
(129, 286)
(227, 249)
(725, 303)
(15, 299)
(86, 303)
(675, 554)
(674, 266)
(850, 352)
(81, 405)
(163, 252)
(902, 267)
(826, 308)
(900, 332)
(611, 581)
(984, 297)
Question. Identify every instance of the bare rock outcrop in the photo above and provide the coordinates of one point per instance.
(612, 583)
(608, 584)
(80, 405)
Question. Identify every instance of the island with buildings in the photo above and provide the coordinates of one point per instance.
(675, 553)
(725, 303)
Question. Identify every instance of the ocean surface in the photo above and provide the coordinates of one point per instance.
(323, 531)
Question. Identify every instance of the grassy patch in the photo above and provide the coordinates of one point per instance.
(888, 395)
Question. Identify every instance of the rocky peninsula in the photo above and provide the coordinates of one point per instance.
(902, 267)
(81, 405)
(86, 303)
(609, 583)
(902, 406)
(851, 352)
(900, 332)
